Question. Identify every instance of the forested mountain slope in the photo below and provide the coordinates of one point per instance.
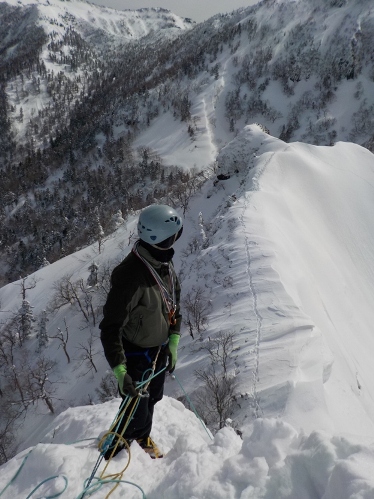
(94, 123)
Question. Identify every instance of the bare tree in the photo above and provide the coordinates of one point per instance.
(84, 304)
(39, 384)
(220, 349)
(190, 328)
(103, 279)
(108, 388)
(8, 427)
(22, 383)
(10, 372)
(182, 194)
(216, 399)
(76, 293)
(131, 236)
(8, 342)
(197, 307)
(185, 189)
(63, 337)
(87, 309)
(192, 247)
(14, 403)
(63, 293)
(87, 356)
(217, 396)
(25, 286)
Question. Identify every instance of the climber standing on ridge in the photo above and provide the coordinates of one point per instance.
(141, 324)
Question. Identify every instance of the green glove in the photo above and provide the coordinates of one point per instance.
(125, 383)
(171, 351)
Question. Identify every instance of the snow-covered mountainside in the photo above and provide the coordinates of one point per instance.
(91, 126)
(278, 260)
(71, 39)
(94, 23)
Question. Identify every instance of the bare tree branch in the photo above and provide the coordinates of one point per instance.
(63, 338)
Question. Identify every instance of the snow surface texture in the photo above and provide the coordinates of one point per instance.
(286, 254)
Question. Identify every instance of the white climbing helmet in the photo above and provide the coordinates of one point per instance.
(159, 225)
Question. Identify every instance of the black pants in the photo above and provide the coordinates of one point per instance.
(138, 361)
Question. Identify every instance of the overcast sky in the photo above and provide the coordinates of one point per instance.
(198, 10)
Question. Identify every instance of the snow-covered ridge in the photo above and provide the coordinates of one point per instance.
(283, 248)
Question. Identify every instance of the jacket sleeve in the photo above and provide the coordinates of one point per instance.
(122, 298)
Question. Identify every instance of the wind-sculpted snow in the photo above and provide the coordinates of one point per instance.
(274, 461)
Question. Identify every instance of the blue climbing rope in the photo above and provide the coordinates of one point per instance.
(99, 481)
(47, 480)
(17, 473)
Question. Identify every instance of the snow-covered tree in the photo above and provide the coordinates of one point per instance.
(44, 263)
(42, 334)
(96, 229)
(203, 236)
(117, 220)
(92, 278)
(24, 320)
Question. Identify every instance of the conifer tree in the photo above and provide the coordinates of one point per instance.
(97, 230)
(42, 334)
(25, 319)
(92, 278)
(117, 220)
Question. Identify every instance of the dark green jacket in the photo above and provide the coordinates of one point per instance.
(134, 309)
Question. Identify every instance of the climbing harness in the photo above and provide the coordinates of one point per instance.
(168, 298)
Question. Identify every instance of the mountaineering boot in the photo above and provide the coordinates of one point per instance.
(148, 445)
(108, 454)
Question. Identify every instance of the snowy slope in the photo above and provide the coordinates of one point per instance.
(278, 70)
(304, 70)
(104, 33)
(285, 254)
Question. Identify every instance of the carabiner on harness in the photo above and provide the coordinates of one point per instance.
(142, 392)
